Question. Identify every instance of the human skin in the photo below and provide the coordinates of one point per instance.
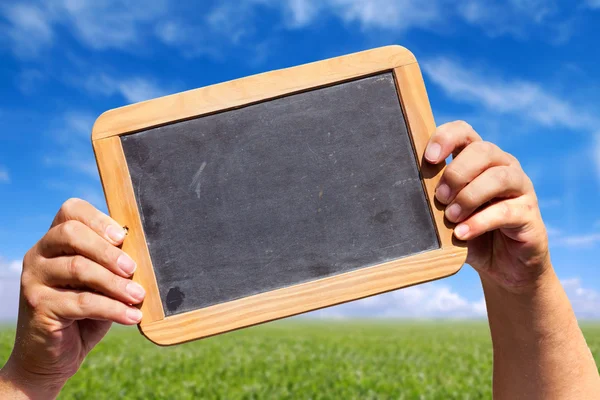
(76, 282)
(539, 350)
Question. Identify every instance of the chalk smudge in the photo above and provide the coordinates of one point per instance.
(196, 180)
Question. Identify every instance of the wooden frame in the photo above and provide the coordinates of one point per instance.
(294, 299)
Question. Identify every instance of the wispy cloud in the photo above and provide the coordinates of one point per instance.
(596, 153)
(10, 271)
(593, 4)
(430, 300)
(127, 26)
(108, 23)
(72, 136)
(10, 268)
(550, 203)
(4, 176)
(28, 28)
(132, 89)
(524, 99)
(98, 25)
(585, 301)
(28, 79)
(90, 192)
(576, 241)
(516, 18)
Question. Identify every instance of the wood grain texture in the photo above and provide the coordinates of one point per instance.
(305, 297)
(236, 93)
(421, 125)
(299, 298)
(123, 209)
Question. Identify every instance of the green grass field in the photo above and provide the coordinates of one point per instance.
(299, 359)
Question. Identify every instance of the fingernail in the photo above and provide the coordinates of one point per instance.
(126, 264)
(453, 212)
(135, 291)
(134, 315)
(115, 233)
(433, 151)
(443, 193)
(461, 230)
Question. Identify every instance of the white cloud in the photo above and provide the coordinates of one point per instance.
(79, 123)
(10, 271)
(585, 301)
(4, 176)
(551, 202)
(524, 99)
(576, 241)
(513, 17)
(98, 24)
(29, 29)
(133, 89)
(125, 25)
(399, 15)
(429, 300)
(103, 24)
(74, 149)
(300, 12)
(596, 152)
(28, 79)
(593, 4)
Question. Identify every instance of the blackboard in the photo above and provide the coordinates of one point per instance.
(279, 193)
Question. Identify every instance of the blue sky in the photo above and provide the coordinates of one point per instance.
(524, 73)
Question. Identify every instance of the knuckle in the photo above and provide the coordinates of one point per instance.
(453, 176)
(513, 160)
(117, 284)
(69, 205)
(503, 177)
(110, 253)
(486, 148)
(28, 279)
(70, 229)
(506, 212)
(29, 260)
(76, 267)
(84, 300)
(33, 296)
(464, 125)
(467, 199)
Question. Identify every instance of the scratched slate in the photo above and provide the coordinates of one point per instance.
(278, 193)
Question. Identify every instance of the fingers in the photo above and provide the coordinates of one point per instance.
(84, 212)
(470, 163)
(73, 237)
(76, 305)
(82, 273)
(493, 183)
(448, 139)
(511, 214)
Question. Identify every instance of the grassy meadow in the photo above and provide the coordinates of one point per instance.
(297, 359)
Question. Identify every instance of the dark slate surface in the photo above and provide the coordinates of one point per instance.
(278, 193)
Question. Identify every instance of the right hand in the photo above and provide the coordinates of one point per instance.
(494, 204)
(75, 283)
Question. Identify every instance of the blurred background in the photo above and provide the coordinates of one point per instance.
(524, 73)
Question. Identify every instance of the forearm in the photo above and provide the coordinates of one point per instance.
(539, 350)
(16, 385)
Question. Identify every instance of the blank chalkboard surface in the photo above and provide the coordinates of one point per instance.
(277, 194)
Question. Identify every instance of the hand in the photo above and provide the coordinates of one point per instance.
(75, 283)
(492, 200)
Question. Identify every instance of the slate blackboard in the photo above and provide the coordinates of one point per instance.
(278, 193)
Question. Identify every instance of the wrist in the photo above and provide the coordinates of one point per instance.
(540, 311)
(16, 383)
